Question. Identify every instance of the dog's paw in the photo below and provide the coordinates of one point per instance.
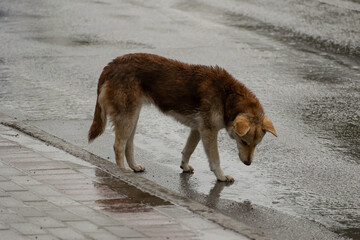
(226, 178)
(187, 169)
(138, 168)
(127, 169)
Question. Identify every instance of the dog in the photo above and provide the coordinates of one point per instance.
(204, 98)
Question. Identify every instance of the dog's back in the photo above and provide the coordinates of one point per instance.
(175, 86)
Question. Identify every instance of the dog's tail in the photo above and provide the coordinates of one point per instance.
(99, 122)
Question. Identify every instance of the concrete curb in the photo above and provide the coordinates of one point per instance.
(136, 180)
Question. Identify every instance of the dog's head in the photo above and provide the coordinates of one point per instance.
(248, 132)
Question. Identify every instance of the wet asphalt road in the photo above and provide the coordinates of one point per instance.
(303, 184)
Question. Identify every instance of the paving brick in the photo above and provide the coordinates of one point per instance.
(92, 194)
(43, 206)
(11, 234)
(65, 181)
(77, 186)
(4, 194)
(13, 151)
(174, 211)
(53, 171)
(27, 211)
(95, 173)
(23, 157)
(220, 233)
(10, 171)
(101, 220)
(42, 237)
(94, 216)
(61, 200)
(26, 196)
(117, 206)
(83, 226)
(63, 215)
(122, 231)
(46, 222)
(24, 180)
(85, 198)
(93, 197)
(3, 227)
(11, 218)
(75, 163)
(27, 228)
(152, 215)
(102, 234)
(5, 144)
(10, 186)
(196, 223)
(44, 190)
(33, 165)
(145, 222)
(148, 238)
(66, 233)
(168, 231)
(58, 155)
(4, 179)
(96, 188)
(82, 211)
(60, 177)
(41, 147)
(10, 202)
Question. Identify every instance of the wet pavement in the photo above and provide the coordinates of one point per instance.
(300, 58)
(46, 193)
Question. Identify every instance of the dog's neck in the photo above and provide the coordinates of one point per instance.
(240, 100)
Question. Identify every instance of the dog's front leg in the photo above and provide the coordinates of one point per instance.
(189, 148)
(209, 139)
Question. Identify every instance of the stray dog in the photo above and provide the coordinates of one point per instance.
(204, 98)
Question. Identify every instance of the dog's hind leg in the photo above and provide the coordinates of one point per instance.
(189, 148)
(129, 152)
(121, 137)
(124, 126)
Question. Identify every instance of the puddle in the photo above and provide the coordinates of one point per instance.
(84, 40)
(334, 113)
(101, 3)
(68, 42)
(289, 36)
(125, 16)
(4, 79)
(133, 194)
(3, 14)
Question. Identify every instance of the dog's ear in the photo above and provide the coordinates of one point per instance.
(268, 126)
(241, 125)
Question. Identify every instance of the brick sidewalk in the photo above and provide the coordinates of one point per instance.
(46, 193)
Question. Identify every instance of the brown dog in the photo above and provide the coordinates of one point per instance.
(206, 99)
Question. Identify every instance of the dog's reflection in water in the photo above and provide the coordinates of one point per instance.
(211, 199)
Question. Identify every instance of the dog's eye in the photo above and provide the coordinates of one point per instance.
(244, 143)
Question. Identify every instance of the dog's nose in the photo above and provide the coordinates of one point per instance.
(248, 163)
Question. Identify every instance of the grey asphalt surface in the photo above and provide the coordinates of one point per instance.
(303, 184)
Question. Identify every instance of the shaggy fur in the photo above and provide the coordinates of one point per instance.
(204, 98)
